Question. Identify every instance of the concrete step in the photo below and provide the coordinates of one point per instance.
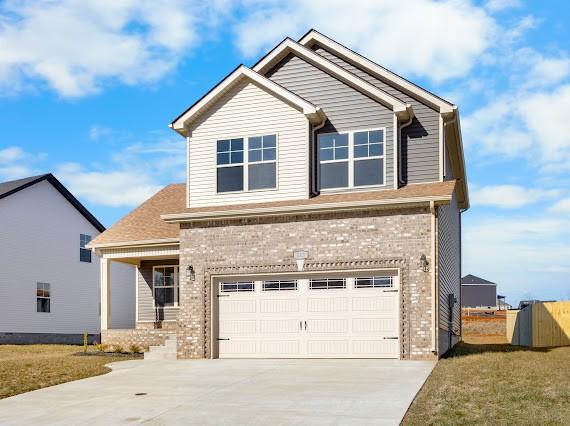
(159, 355)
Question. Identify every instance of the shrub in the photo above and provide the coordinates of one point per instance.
(85, 341)
(103, 347)
(134, 348)
(118, 349)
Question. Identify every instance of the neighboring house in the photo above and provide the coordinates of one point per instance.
(321, 217)
(49, 281)
(478, 293)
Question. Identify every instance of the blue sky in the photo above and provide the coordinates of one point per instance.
(88, 88)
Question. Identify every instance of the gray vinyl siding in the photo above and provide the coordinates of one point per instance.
(449, 268)
(146, 312)
(477, 296)
(420, 140)
(346, 108)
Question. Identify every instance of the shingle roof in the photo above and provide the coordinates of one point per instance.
(472, 279)
(11, 187)
(144, 222)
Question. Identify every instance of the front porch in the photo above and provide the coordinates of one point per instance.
(157, 293)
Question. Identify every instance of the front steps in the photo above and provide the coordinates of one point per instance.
(166, 351)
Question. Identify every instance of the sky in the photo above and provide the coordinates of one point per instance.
(88, 88)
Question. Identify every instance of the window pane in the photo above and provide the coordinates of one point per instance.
(368, 172)
(326, 141)
(376, 149)
(230, 179)
(360, 151)
(236, 157)
(43, 305)
(327, 154)
(223, 145)
(262, 176)
(341, 139)
(334, 175)
(269, 154)
(341, 153)
(158, 277)
(255, 142)
(361, 138)
(269, 141)
(255, 155)
(236, 144)
(224, 158)
(327, 283)
(376, 136)
(84, 255)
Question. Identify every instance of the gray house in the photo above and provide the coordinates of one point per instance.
(477, 292)
(320, 217)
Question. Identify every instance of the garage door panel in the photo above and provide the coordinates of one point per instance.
(322, 304)
(237, 327)
(237, 347)
(278, 326)
(374, 325)
(328, 347)
(276, 306)
(280, 347)
(374, 347)
(238, 306)
(379, 304)
(328, 325)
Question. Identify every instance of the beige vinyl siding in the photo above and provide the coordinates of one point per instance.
(146, 311)
(449, 268)
(346, 108)
(420, 140)
(248, 110)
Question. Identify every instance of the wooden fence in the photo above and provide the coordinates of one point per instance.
(540, 325)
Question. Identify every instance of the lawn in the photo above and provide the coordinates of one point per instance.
(29, 367)
(496, 384)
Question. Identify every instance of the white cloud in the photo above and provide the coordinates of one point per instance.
(12, 153)
(15, 163)
(509, 196)
(562, 206)
(96, 132)
(75, 47)
(498, 5)
(448, 36)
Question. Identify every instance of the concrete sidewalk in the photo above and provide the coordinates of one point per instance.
(229, 392)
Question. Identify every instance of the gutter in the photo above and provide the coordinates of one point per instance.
(303, 209)
(135, 243)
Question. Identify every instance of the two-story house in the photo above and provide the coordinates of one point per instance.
(320, 218)
(49, 280)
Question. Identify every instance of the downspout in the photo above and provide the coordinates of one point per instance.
(399, 136)
(314, 161)
(434, 289)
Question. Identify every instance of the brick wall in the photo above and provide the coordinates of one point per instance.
(140, 337)
(335, 241)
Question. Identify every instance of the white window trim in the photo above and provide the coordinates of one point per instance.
(245, 164)
(177, 274)
(43, 297)
(351, 159)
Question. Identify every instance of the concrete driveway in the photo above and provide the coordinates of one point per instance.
(229, 392)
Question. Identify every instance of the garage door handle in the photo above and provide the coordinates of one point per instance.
(390, 338)
(390, 291)
(300, 325)
(305, 325)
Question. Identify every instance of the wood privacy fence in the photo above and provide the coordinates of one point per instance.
(540, 325)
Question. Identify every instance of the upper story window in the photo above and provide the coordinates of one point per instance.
(84, 253)
(351, 160)
(43, 297)
(238, 172)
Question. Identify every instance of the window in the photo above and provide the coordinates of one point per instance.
(262, 159)
(165, 286)
(237, 286)
(43, 297)
(350, 160)
(84, 253)
(373, 282)
(279, 285)
(369, 158)
(327, 283)
(333, 159)
(229, 160)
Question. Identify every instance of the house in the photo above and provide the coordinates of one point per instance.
(320, 218)
(478, 293)
(49, 281)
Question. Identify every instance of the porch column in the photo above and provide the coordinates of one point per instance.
(105, 294)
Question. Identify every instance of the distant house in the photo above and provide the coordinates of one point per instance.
(477, 292)
(49, 281)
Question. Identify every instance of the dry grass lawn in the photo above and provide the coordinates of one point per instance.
(496, 384)
(29, 367)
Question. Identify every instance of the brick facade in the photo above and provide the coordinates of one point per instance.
(335, 241)
(140, 337)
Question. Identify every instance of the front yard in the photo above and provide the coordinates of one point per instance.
(496, 384)
(26, 368)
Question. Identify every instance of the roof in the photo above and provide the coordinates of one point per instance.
(288, 45)
(144, 223)
(472, 279)
(311, 111)
(14, 186)
(418, 193)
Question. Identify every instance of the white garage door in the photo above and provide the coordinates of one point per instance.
(310, 318)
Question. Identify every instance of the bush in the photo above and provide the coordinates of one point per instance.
(102, 347)
(118, 349)
(85, 341)
(134, 348)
